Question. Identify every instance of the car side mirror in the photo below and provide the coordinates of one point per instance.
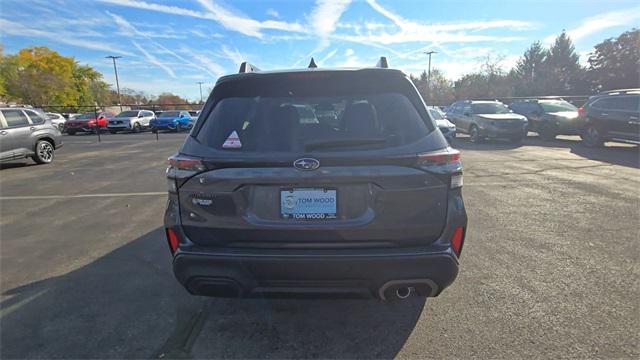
(140, 116)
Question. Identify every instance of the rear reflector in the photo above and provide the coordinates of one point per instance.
(457, 240)
(456, 181)
(172, 238)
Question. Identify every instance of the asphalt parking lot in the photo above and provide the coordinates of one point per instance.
(550, 265)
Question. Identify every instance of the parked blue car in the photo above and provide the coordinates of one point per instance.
(175, 120)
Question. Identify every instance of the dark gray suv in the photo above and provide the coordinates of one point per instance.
(266, 198)
(27, 133)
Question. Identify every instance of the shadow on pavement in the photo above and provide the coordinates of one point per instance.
(612, 153)
(127, 304)
(17, 164)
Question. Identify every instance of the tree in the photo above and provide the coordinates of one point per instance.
(615, 63)
(529, 70)
(39, 76)
(168, 101)
(562, 72)
(490, 82)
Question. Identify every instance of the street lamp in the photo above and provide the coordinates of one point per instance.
(200, 83)
(115, 69)
(429, 74)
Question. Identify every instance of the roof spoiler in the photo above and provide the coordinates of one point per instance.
(245, 67)
(383, 63)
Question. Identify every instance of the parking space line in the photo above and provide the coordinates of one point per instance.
(45, 197)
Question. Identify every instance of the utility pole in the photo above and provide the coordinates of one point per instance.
(429, 75)
(200, 83)
(115, 69)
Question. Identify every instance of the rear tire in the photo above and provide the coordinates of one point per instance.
(154, 130)
(178, 127)
(44, 152)
(113, 131)
(591, 137)
(546, 133)
(71, 132)
(474, 135)
(136, 128)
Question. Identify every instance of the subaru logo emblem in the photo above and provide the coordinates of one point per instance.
(306, 164)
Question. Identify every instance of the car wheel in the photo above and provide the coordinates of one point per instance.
(518, 139)
(71, 132)
(546, 133)
(178, 127)
(61, 128)
(474, 134)
(44, 152)
(136, 128)
(592, 137)
(154, 130)
(113, 131)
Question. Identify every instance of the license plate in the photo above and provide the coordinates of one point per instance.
(308, 204)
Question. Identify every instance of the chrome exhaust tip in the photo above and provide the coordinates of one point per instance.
(404, 292)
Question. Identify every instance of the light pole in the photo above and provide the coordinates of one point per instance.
(429, 74)
(115, 69)
(200, 83)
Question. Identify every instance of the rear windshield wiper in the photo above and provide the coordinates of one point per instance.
(338, 143)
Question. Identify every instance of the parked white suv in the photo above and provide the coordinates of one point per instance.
(130, 120)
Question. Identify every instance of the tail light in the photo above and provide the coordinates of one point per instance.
(443, 157)
(446, 162)
(181, 162)
(457, 240)
(172, 239)
(580, 111)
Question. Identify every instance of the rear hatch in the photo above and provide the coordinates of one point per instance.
(276, 173)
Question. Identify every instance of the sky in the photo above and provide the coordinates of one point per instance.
(168, 46)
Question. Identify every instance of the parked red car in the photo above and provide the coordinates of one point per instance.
(87, 122)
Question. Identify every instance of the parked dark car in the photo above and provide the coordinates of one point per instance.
(364, 203)
(549, 117)
(612, 116)
(487, 120)
(88, 122)
(26, 133)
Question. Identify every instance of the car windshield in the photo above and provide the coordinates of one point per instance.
(169, 114)
(87, 116)
(435, 114)
(490, 108)
(290, 124)
(556, 106)
(128, 114)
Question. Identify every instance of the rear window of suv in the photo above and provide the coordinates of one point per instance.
(346, 122)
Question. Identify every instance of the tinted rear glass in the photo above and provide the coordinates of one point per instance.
(293, 123)
(169, 114)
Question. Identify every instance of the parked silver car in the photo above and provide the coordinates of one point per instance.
(26, 133)
(130, 120)
(57, 120)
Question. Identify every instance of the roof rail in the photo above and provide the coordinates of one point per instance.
(245, 67)
(383, 63)
(312, 64)
(620, 91)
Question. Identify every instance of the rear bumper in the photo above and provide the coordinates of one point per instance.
(358, 275)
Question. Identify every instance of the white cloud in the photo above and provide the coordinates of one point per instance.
(326, 14)
(61, 37)
(152, 59)
(349, 52)
(331, 54)
(595, 24)
(273, 13)
(232, 54)
(225, 17)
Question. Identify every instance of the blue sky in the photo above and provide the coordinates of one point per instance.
(170, 45)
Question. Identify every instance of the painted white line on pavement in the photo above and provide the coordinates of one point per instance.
(44, 197)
